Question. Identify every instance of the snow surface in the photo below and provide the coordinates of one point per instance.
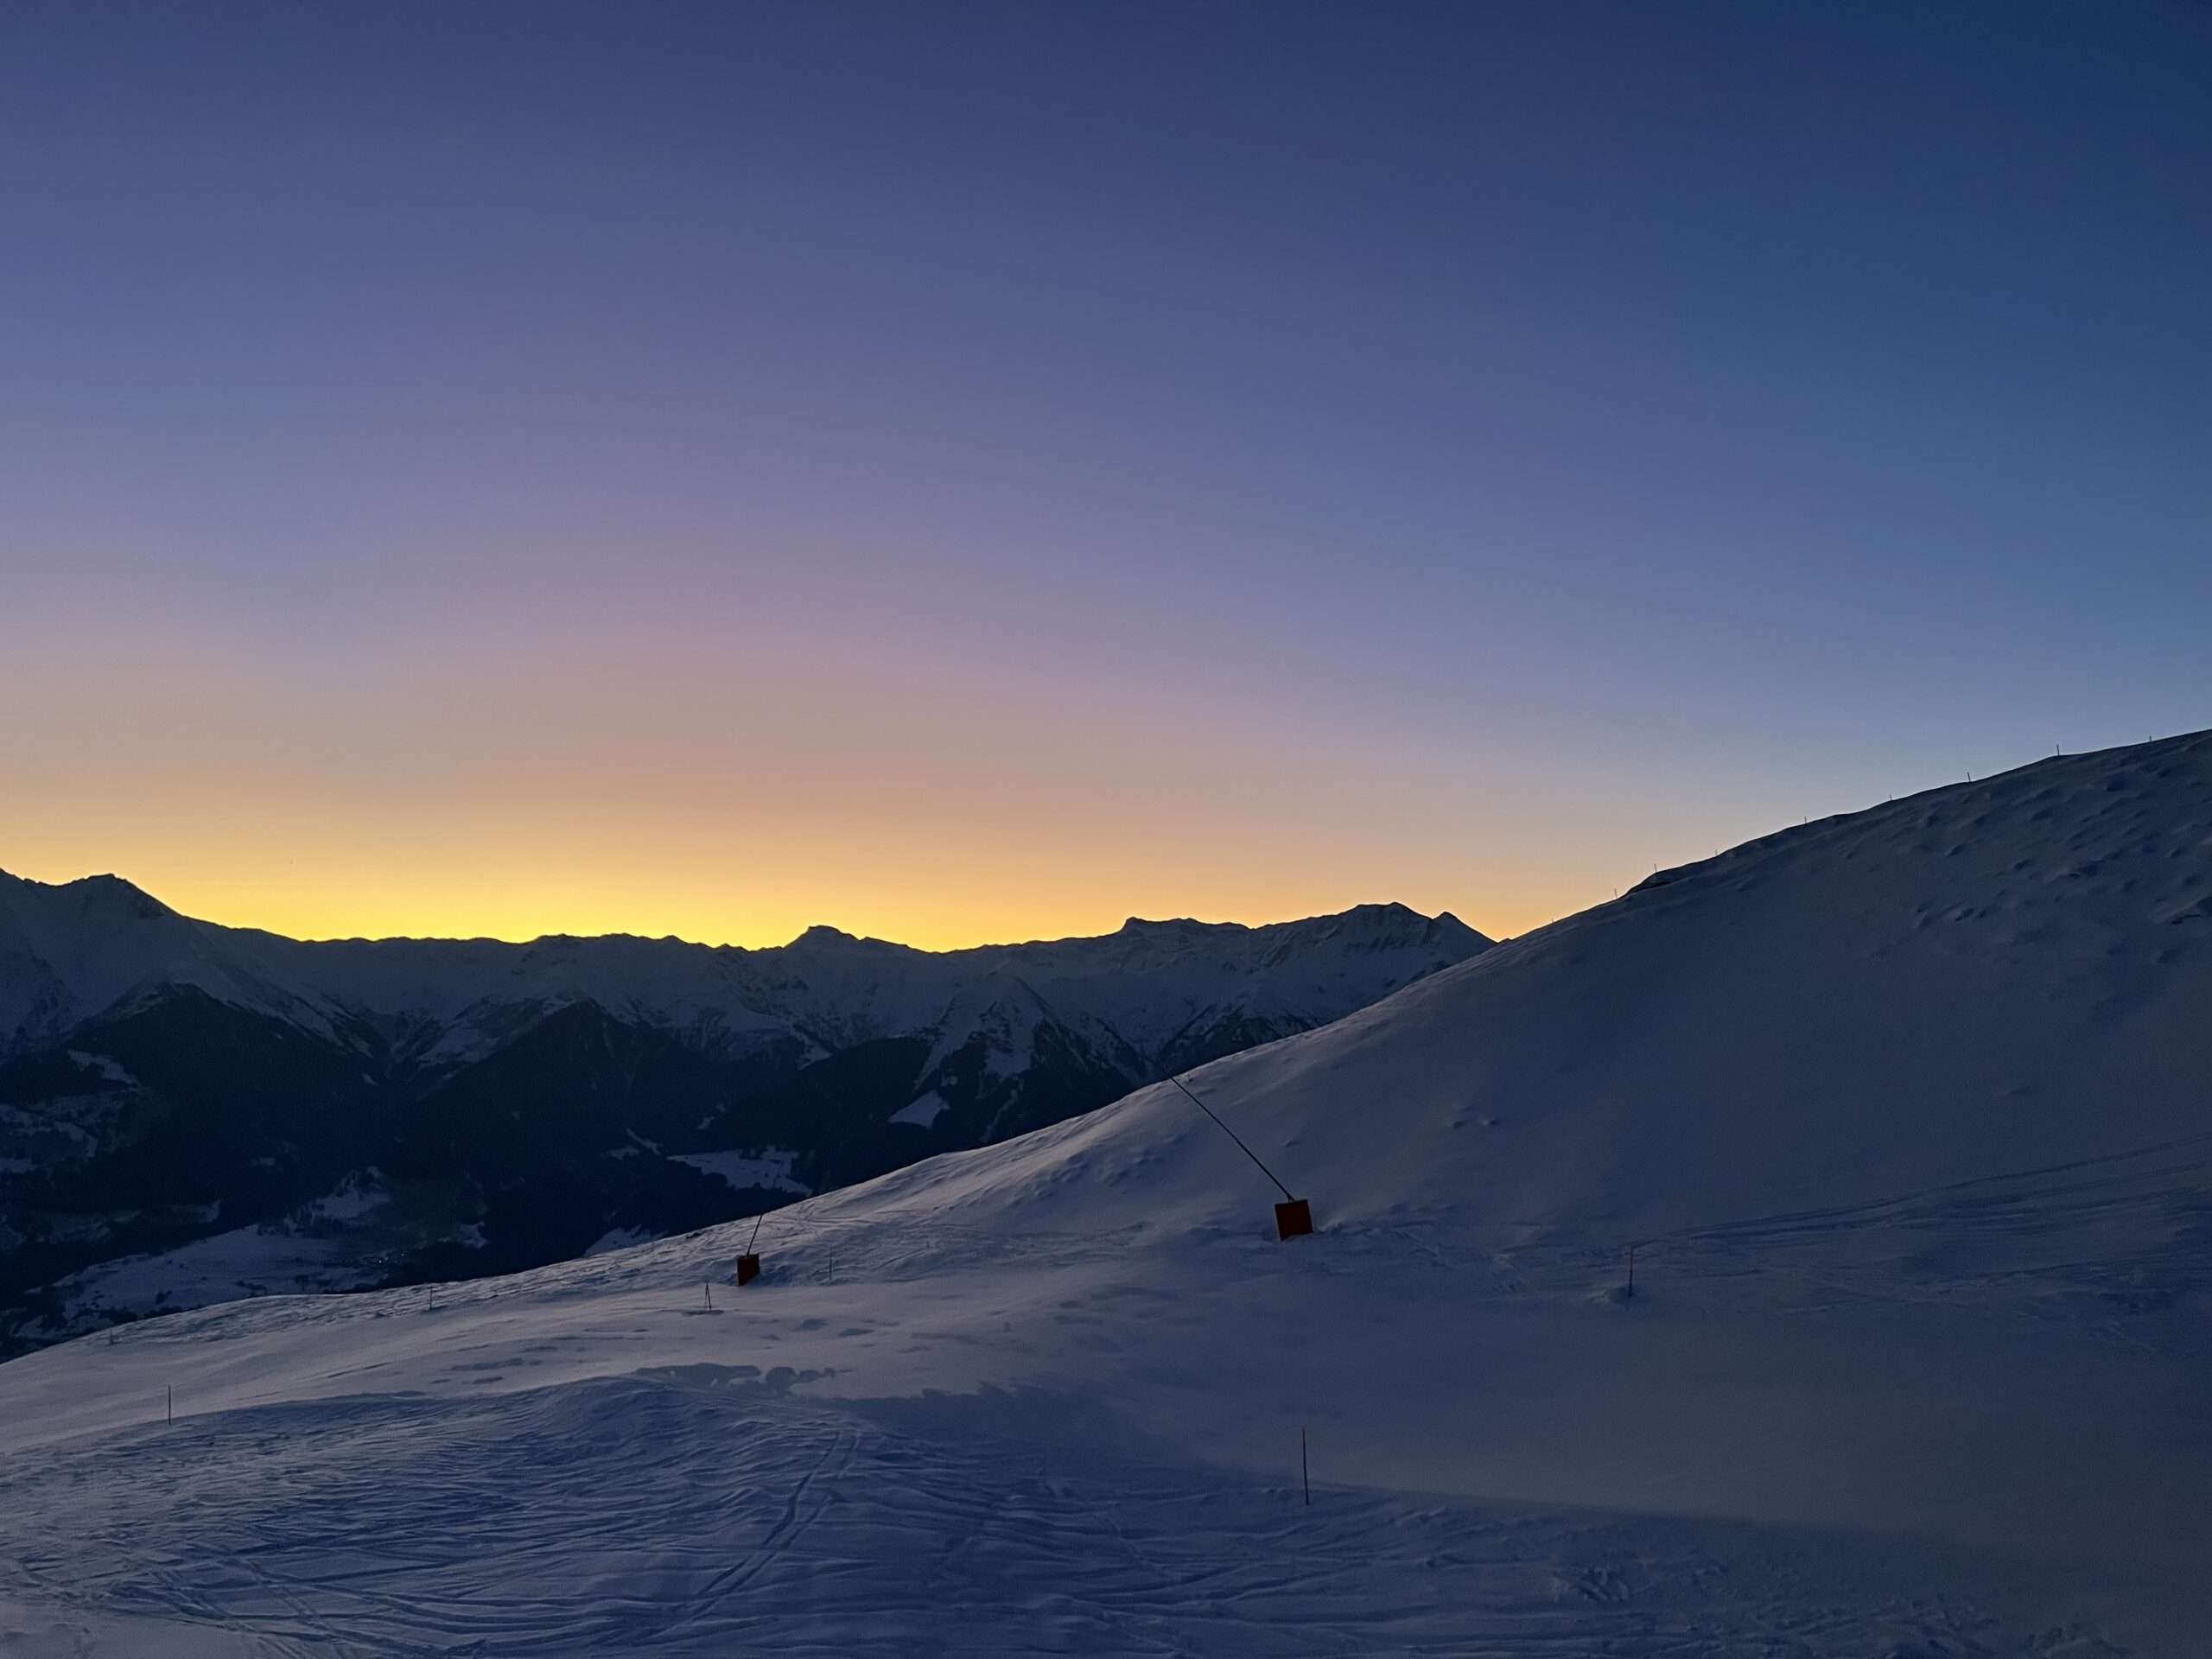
(618, 1238)
(765, 1167)
(318, 1247)
(1905, 1111)
(922, 1110)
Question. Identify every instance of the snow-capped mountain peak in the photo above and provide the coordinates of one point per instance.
(474, 1073)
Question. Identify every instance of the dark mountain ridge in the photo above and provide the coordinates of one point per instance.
(190, 1112)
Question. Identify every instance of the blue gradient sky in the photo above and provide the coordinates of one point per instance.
(966, 472)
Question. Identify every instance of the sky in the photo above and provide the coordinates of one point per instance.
(962, 473)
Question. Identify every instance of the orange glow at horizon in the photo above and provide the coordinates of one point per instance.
(446, 910)
(934, 899)
(732, 790)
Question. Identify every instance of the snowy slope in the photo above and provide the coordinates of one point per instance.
(1906, 1111)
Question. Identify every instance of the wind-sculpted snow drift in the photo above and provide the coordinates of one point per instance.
(1905, 1110)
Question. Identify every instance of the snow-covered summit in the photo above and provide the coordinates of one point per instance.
(71, 951)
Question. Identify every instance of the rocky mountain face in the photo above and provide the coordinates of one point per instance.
(191, 1113)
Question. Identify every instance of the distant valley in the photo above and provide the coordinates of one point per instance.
(191, 1113)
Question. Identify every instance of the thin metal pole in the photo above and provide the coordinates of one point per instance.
(755, 1239)
(1232, 1135)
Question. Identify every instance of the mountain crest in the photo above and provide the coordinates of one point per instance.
(169, 1077)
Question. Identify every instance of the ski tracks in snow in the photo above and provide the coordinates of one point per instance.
(704, 1510)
